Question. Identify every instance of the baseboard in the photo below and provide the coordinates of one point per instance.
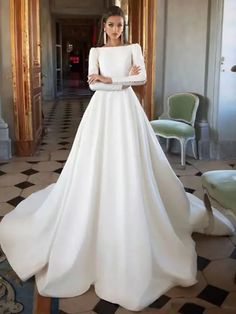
(223, 150)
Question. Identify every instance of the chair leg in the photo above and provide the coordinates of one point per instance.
(183, 151)
(207, 204)
(167, 144)
(194, 148)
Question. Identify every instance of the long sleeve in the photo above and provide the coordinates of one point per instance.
(94, 69)
(118, 83)
(138, 60)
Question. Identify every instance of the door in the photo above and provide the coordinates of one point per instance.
(142, 17)
(227, 95)
(59, 73)
(26, 68)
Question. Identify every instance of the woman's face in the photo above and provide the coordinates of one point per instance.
(114, 27)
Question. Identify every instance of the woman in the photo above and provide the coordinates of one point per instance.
(118, 217)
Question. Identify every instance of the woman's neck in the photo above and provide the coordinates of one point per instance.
(112, 43)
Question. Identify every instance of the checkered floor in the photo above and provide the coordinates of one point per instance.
(215, 292)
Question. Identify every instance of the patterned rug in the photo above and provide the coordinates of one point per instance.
(21, 297)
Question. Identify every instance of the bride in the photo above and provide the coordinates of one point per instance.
(118, 217)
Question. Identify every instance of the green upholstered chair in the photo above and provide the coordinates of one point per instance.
(178, 122)
(220, 185)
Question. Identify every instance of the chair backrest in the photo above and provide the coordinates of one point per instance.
(183, 107)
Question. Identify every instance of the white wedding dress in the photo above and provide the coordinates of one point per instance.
(118, 217)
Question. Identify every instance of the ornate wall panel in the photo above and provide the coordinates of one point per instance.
(26, 75)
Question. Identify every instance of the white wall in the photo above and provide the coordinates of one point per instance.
(182, 57)
(185, 46)
(189, 38)
(160, 53)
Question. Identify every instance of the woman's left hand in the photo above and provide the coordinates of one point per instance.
(99, 78)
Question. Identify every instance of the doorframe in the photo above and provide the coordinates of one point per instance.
(24, 80)
(60, 19)
(56, 46)
(220, 147)
(143, 14)
(216, 13)
(214, 59)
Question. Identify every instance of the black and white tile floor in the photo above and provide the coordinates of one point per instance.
(215, 292)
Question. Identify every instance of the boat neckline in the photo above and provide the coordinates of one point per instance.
(116, 46)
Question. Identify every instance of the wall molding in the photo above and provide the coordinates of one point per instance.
(213, 70)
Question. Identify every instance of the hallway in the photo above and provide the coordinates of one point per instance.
(215, 293)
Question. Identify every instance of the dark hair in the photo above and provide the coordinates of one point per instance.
(111, 11)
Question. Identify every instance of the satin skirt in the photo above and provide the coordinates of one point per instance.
(117, 218)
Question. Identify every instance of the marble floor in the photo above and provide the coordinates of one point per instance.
(215, 292)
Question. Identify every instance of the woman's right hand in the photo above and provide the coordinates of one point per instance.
(93, 78)
(135, 70)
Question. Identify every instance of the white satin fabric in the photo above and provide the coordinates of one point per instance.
(118, 217)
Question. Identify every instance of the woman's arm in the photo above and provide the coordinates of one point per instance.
(138, 61)
(117, 83)
(94, 70)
